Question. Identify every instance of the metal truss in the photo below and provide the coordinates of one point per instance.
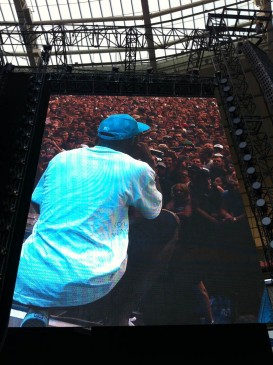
(250, 139)
(69, 39)
(124, 83)
(218, 31)
(86, 39)
(263, 69)
(131, 47)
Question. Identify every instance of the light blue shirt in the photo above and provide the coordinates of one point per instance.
(77, 251)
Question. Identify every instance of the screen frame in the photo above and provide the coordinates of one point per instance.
(167, 86)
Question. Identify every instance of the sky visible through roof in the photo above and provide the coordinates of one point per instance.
(169, 19)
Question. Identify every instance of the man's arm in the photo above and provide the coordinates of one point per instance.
(142, 152)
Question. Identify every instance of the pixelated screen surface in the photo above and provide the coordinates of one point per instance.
(213, 275)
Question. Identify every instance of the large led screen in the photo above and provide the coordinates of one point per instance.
(212, 274)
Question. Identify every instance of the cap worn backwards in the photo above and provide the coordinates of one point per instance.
(120, 126)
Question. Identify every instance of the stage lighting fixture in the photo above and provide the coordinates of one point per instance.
(261, 204)
(251, 171)
(237, 121)
(267, 222)
(232, 109)
(229, 99)
(28, 120)
(227, 88)
(30, 109)
(257, 187)
(247, 158)
(240, 134)
(223, 81)
(243, 147)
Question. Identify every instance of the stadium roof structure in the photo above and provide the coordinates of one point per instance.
(167, 35)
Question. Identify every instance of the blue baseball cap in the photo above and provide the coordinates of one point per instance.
(120, 126)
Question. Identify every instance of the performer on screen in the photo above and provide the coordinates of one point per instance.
(81, 254)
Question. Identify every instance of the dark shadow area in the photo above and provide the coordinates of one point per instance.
(219, 344)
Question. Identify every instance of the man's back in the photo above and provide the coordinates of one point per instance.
(75, 260)
(84, 196)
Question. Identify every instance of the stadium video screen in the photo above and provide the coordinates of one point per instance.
(213, 274)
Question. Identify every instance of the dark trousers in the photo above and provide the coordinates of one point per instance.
(151, 246)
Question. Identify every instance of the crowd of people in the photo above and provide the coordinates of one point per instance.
(198, 183)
